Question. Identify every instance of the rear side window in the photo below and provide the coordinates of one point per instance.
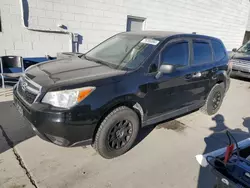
(176, 54)
(219, 51)
(202, 52)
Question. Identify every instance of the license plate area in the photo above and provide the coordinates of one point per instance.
(20, 110)
(19, 107)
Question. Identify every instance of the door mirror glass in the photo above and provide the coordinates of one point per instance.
(165, 69)
(234, 50)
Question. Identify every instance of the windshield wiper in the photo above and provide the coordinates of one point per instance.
(98, 61)
(102, 62)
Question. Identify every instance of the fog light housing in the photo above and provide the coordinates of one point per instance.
(58, 140)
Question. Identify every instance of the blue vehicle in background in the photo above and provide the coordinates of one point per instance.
(12, 67)
(28, 61)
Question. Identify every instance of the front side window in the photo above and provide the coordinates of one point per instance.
(123, 51)
(202, 52)
(176, 54)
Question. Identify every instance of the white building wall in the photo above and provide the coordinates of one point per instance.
(95, 20)
(248, 23)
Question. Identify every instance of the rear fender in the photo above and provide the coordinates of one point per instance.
(220, 77)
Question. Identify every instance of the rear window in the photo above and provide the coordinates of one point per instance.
(219, 50)
(202, 52)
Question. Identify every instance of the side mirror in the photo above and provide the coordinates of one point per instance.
(164, 69)
(234, 50)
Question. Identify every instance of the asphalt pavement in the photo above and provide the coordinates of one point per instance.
(164, 156)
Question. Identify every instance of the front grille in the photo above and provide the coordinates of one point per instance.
(26, 95)
(27, 91)
(241, 65)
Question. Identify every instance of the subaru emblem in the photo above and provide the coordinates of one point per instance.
(24, 85)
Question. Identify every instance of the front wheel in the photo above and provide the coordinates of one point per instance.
(117, 132)
(214, 100)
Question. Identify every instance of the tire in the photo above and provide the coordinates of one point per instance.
(210, 108)
(122, 126)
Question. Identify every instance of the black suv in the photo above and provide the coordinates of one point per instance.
(131, 80)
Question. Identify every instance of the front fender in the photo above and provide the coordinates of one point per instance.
(131, 101)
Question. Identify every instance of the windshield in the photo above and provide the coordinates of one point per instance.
(245, 48)
(123, 51)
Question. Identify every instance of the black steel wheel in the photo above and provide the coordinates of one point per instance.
(117, 132)
(214, 99)
(120, 134)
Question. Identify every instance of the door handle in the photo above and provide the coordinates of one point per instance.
(193, 75)
(188, 76)
(196, 75)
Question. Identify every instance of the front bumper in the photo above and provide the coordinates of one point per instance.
(55, 125)
(240, 73)
(241, 68)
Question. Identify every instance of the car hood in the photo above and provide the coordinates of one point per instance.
(70, 70)
(241, 56)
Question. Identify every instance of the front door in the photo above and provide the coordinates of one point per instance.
(179, 89)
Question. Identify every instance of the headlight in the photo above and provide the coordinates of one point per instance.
(67, 98)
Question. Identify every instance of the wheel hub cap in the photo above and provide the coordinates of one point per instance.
(120, 134)
(216, 100)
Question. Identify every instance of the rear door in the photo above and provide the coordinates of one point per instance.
(202, 68)
(220, 61)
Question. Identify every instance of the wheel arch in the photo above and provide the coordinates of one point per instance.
(132, 104)
(221, 77)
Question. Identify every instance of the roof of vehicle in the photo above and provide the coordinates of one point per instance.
(165, 34)
(157, 34)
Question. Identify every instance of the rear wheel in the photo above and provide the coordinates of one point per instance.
(117, 132)
(214, 99)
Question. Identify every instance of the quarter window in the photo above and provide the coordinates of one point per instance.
(219, 50)
(202, 52)
(176, 54)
